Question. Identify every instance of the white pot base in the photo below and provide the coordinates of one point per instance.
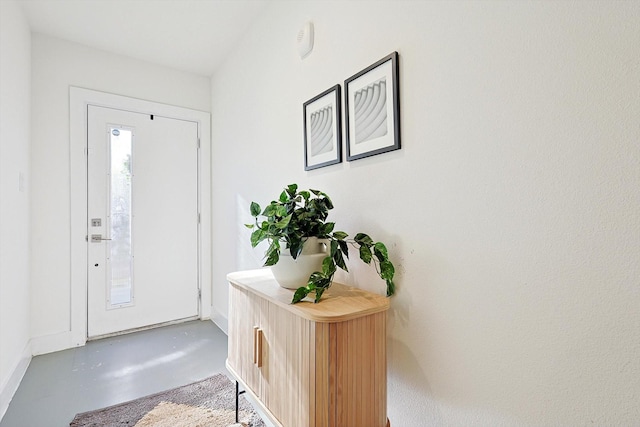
(293, 273)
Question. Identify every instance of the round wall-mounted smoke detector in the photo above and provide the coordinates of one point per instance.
(305, 40)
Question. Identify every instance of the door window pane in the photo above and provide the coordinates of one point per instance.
(120, 251)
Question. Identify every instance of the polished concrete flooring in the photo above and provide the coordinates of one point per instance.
(58, 385)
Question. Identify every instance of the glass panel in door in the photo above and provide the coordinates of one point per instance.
(120, 256)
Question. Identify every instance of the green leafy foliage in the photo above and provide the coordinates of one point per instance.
(298, 215)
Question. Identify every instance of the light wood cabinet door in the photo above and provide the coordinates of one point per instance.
(284, 374)
(242, 336)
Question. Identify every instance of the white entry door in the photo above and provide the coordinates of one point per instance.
(142, 220)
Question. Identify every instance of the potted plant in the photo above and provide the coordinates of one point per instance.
(298, 216)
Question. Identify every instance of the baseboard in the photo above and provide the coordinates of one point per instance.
(220, 320)
(55, 342)
(10, 387)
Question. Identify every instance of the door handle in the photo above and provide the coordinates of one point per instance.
(259, 334)
(257, 346)
(97, 238)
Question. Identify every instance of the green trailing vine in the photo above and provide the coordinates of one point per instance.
(298, 215)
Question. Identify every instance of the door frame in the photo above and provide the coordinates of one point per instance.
(79, 99)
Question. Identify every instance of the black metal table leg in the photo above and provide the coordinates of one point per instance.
(238, 393)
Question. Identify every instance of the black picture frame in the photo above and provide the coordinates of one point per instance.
(372, 109)
(323, 129)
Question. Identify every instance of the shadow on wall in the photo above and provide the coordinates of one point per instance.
(248, 257)
(408, 393)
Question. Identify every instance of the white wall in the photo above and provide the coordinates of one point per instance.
(15, 87)
(57, 65)
(511, 211)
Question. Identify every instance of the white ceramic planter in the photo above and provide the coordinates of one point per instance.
(293, 273)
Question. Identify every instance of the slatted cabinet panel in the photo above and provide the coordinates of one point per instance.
(241, 336)
(322, 365)
(360, 351)
(286, 365)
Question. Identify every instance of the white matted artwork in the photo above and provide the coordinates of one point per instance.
(373, 109)
(322, 130)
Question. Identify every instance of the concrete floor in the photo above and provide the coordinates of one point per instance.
(58, 385)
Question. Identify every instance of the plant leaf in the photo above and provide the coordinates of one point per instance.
(255, 209)
(333, 247)
(295, 246)
(316, 279)
(300, 294)
(363, 239)
(283, 222)
(319, 280)
(328, 202)
(339, 260)
(256, 237)
(365, 254)
(249, 226)
(319, 292)
(328, 227)
(387, 270)
(281, 211)
(381, 251)
(284, 197)
(391, 288)
(344, 248)
(270, 210)
(292, 189)
(273, 256)
(328, 266)
(340, 235)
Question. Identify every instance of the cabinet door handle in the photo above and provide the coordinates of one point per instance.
(255, 344)
(259, 348)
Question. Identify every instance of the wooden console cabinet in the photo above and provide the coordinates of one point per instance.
(315, 365)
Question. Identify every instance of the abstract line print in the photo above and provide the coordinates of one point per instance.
(370, 111)
(321, 131)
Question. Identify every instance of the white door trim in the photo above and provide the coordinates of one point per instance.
(79, 99)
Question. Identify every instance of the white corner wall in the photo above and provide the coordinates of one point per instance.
(511, 211)
(57, 65)
(15, 87)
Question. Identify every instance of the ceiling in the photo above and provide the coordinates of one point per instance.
(189, 35)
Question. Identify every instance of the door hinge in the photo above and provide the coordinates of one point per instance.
(199, 294)
(198, 143)
(198, 218)
(86, 238)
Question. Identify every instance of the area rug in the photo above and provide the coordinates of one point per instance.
(207, 403)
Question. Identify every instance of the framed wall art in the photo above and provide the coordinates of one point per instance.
(322, 130)
(373, 109)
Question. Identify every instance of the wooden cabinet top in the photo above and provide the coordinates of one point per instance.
(339, 303)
